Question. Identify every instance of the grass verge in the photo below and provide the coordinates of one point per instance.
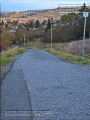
(69, 57)
(8, 55)
(38, 44)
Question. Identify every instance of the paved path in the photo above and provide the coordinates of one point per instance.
(49, 87)
(15, 97)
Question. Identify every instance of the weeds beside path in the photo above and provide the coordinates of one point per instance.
(70, 58)
(7, 59)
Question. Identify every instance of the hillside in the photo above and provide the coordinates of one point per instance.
(41, 15)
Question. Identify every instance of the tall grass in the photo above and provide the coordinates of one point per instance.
(8, 55)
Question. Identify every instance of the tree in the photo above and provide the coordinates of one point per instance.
(6, 40)
(27, 26)
(45, 22)
(37, 24)
(84, 8)
(14, 23)
(6, 25)
(88, 27)
(2, 22)
(48, 25)
(31, 25)
(66, 18)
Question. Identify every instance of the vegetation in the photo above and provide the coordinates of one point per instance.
(48, 25)
(37, 24)
(7, 39)
(68, 28)
(8, 55)
(13, 38)
(31, 25)
(84, 8)
(69, 57)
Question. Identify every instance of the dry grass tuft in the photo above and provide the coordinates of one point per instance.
(74, 47)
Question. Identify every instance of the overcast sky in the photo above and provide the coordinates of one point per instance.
(24, 5)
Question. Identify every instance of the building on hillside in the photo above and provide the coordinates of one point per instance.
(69, 8)
(21, 21)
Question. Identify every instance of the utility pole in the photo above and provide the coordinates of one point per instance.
(4, 24)
(85, 15)
(24, 40)
(51, 31)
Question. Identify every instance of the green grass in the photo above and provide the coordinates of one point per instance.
(8, 55)
(69, 57)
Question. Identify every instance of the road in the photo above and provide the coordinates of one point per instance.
(47, 86)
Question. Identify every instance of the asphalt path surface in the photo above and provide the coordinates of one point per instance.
(45, 87)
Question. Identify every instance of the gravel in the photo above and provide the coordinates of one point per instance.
(59, 90)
